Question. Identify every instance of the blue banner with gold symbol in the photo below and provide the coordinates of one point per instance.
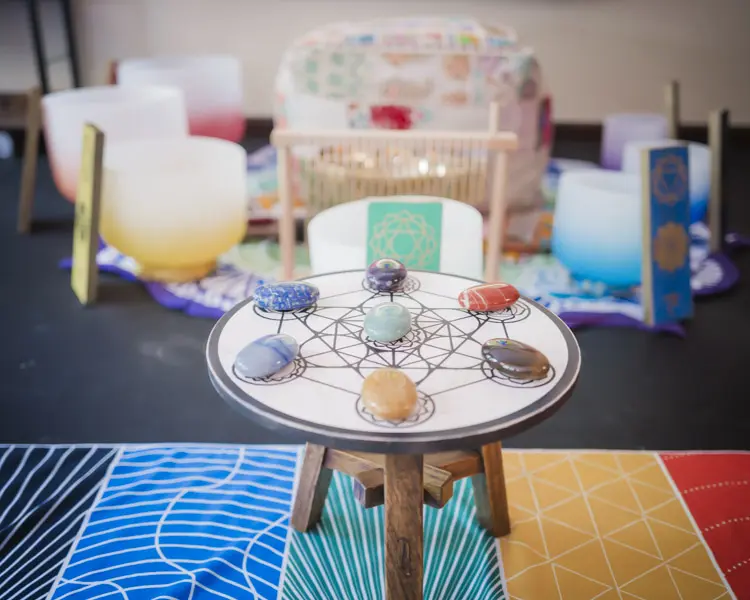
(666, 289)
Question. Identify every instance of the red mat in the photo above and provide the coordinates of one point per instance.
(716, 489)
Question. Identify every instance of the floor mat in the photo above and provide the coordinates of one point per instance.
(203, 522)
(716, 489)
(601, 525)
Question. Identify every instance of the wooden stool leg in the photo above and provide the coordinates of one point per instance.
(489, 492)
(404, 493)
(312, 488)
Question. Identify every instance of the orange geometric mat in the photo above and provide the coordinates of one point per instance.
(613, 525)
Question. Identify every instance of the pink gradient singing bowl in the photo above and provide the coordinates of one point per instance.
(212, 85)
(148, 112)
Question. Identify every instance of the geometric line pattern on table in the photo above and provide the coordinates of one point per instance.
(45, 492)
(601, 525)
(342, 557)
(441, 354)
(437, 334)
(715, 487)
(186, 522)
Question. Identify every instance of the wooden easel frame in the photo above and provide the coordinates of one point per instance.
(499, 143)
(718, 138)
(672, 105)
(23, 110)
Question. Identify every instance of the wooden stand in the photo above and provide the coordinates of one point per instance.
(404, 482)
(377, 142)
(23, 110)
(718, 134)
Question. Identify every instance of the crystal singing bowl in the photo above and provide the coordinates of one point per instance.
(212, 85)
(122, 114)
(174, 205)
(623, 128)
(699, 168)
(596, 232)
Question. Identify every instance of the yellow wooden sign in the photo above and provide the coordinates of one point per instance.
(84, 273)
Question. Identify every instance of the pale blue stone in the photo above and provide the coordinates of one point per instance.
(387, 322)
(286, 295)
(266, 355)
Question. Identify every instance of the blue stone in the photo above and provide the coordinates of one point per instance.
(387, 322)
(386, 275)
(266, 355)
(285, 296)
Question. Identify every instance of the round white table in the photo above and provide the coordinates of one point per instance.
(464, 407)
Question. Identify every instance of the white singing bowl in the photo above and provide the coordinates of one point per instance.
(212, 85)
(597, 229)
(699, 168)
(337, 236)
(147, 112)
(174, 205)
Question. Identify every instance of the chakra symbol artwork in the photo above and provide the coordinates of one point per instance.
(441, 354)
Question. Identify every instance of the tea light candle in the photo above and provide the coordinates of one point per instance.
(620, 129)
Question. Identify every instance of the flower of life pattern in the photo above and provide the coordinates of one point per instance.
(336, 333)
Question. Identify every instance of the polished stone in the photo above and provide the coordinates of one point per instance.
(389, 394)
(515, 359)
(387, 322)
(266, 355)
(386, 275)
(286, 296)
(488, 297)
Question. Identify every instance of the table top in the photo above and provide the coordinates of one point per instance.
(462, 402)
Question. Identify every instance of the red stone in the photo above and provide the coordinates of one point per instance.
(488, 297)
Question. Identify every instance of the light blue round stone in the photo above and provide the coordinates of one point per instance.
(266, 355)
(387, 322)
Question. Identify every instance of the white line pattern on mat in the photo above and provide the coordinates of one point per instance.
(186, 522)
(46, 493)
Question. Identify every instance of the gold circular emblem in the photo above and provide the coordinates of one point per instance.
(671, 247)
(669, 180)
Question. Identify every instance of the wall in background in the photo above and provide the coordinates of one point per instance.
(599, 56)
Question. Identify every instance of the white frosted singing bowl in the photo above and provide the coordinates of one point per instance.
(699, 167)
(122, 114)
(596, 232)
(212, 85)
(338, 236)
(619, 129)
(174, 205)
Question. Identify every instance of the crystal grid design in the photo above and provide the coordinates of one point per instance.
(334, 339)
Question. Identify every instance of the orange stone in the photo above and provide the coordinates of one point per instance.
(389, 394)
(488, 297)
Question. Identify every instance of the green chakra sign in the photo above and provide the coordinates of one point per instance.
(407, 231)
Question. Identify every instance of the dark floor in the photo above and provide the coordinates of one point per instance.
(128, 370)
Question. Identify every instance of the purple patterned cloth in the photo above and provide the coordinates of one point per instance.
(576, 304)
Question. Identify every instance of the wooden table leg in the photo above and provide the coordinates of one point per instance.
(403, 527)
(312, 488)
(490, 496)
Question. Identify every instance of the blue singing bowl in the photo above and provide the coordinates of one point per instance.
(699, 168)
(597, 228)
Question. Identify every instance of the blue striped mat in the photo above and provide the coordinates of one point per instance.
(211, 522)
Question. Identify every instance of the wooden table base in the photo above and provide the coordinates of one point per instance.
(404, 482)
